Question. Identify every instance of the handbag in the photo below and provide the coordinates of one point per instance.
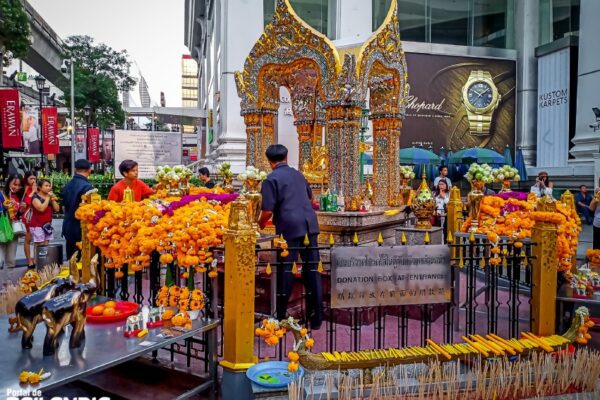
(18, 228)
(48, 229)
(6, 232)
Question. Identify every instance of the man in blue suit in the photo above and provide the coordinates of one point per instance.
(287, 198)
(71, 195)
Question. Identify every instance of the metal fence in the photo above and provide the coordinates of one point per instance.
(484, 299)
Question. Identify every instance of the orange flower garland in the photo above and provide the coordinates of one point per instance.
(272, 331)
(127, 233)
(517, 225)
(181, 297)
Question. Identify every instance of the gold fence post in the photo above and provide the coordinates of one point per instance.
(568, 198)
(545, 267)
(240, 262)
(87, 247)
(455, 207)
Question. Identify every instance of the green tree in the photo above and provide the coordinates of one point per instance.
(100, 72)
(15, 31)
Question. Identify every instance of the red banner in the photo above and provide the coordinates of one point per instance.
(93, 145)
(10, 116)
(50, 130)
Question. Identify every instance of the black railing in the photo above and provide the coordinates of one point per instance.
(498, 295)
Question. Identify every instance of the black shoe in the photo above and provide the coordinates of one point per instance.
(32, 266)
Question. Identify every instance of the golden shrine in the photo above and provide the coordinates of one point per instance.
(329, 87)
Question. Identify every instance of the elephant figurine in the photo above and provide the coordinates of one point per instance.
(28, 310)
(69, 309)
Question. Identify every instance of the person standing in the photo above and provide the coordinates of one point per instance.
(596, 223)
(582, 202)
(543, 186)
(443, 170)
(286, 197)
(129, 170)
(30, 185)
(204, 175)
(43, 204)
(71, 195)
(10, 201)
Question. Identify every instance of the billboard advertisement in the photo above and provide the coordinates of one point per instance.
(457, 101)
(149, 148)
(31, 130)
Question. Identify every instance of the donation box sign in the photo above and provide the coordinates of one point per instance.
(387, 276)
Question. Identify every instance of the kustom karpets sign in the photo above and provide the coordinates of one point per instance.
(386, 276)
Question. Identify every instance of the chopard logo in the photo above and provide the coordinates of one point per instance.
(417, 105)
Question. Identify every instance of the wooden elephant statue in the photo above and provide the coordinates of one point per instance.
(69, 309)
(28, 310)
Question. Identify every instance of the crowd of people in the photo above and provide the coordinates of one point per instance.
(30, 202)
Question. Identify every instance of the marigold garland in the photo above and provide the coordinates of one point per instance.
(128, 233)
(272, 331)
(515, 219)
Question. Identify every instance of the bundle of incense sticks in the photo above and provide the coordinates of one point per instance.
(12, 292)
(539, 375)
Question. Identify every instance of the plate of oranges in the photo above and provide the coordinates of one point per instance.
(110, 311)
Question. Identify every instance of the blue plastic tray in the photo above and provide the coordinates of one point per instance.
(273, 374)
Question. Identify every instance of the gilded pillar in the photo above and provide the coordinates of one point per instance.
(343, 129)
(240, 260)
(305, 142)
(545, 267)
(386, 161)
(260, 131)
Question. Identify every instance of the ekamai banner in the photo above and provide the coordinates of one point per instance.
(50, 130)
(93, 145)
(459, 102)
(10, 118)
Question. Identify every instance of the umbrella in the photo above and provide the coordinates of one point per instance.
(520, 164)
(507, 156)
(476, 154)
(418, 156)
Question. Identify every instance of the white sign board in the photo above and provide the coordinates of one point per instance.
(553, 109)
(149, 148)
(390, 275)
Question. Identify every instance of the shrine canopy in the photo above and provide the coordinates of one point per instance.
(328, 87)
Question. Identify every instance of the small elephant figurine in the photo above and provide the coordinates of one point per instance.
(134, 322)
(69, 309)
(28, 310)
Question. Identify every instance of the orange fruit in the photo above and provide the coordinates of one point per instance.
(98, 310)
(110, 304)
(108, 312)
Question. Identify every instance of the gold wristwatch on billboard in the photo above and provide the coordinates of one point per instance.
(481, 98)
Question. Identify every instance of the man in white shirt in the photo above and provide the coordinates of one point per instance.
(443, 170)
(542, 185)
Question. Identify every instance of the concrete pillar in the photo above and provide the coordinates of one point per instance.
(242, 24)
(354, 18)
(527, 39)
(586, 141)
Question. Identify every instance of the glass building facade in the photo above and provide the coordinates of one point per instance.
(313, 12)
(558, 18)
(487, 23)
